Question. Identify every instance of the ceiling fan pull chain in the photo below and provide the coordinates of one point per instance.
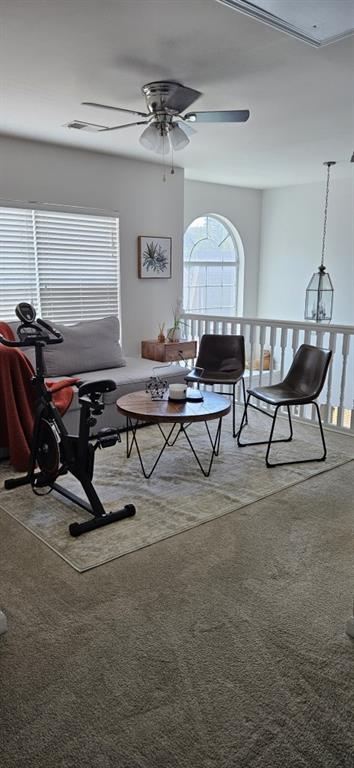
(163, 158)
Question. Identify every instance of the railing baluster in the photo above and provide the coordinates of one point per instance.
(251, 327)
(295, 339)
(283, 345)
(307, 336)
(345, 353)
(262, 333)
(272, 344)
(327, 409)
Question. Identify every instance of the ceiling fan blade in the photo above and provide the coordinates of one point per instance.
(79, 125)
(224, 116)
(95, 128)
(116, 109)
(181, 97)
(125, 125)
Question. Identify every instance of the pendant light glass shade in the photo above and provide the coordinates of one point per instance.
(319, 297)
(161, 140)
(163, 145)
(178, 138)
(156, 140)
(319, 292)
(149, 138)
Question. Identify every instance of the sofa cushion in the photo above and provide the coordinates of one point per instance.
(134, 376)
(89, 345)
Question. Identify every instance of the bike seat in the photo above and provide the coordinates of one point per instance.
(96, 387)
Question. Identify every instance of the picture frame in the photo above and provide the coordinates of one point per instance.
(154, 257)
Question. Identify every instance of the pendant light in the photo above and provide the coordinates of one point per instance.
(319, 292)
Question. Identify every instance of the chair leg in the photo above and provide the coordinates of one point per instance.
(296, 461)
(244, 397)
(271, 416)
(321, 432)
(244, 420)
(233, 411)
(272, 430)
(290, 423)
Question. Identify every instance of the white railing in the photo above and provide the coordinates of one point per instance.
(270, 348)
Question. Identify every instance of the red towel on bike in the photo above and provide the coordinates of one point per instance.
(17, 399)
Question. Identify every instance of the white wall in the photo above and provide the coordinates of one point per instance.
(147, 206)
(291, 244)
(243, 208)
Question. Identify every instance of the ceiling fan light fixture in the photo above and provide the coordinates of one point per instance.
(156, 139)
(178, 137)
(163, 146)
(150, 138)
(167, 129)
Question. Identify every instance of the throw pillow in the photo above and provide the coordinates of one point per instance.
(90, 345)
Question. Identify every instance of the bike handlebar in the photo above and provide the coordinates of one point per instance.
(34, 339)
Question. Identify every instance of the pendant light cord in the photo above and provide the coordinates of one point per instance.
(328, 164)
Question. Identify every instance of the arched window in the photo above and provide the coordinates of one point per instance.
(210, 283)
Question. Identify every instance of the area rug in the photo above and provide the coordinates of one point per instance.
(176, 498)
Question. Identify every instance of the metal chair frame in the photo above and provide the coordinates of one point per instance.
(270, 440)
(229, 394)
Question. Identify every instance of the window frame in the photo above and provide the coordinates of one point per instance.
(207, 263)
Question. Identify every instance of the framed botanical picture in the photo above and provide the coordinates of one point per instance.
(154, 256)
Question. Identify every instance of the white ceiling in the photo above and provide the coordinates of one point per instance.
(53, 55)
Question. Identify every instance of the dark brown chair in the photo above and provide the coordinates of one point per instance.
(301, 386)
(221, 360)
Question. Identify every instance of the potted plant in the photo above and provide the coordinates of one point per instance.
(174, 332)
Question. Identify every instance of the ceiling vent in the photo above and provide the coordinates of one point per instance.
(317, 22)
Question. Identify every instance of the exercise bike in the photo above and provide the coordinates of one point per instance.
(54, 452)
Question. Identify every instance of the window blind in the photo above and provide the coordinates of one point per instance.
(73, 272)
(18, 274)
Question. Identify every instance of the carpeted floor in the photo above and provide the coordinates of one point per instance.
(176, 498)
(222, 647)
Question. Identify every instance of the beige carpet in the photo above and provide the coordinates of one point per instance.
(176, 498)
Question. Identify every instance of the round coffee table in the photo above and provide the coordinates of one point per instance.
(138, 407)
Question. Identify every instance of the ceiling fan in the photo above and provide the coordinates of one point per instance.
(167, 128)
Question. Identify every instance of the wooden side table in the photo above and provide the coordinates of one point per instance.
(168, 351)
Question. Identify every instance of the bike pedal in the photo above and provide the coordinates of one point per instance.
(107, 437)
(41, 480)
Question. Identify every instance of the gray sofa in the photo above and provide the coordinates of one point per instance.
(130, 378)
(91, 350)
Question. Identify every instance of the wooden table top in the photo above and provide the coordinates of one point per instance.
(139, 405)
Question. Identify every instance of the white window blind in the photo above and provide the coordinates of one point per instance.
(66, 264)
(18, 275)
